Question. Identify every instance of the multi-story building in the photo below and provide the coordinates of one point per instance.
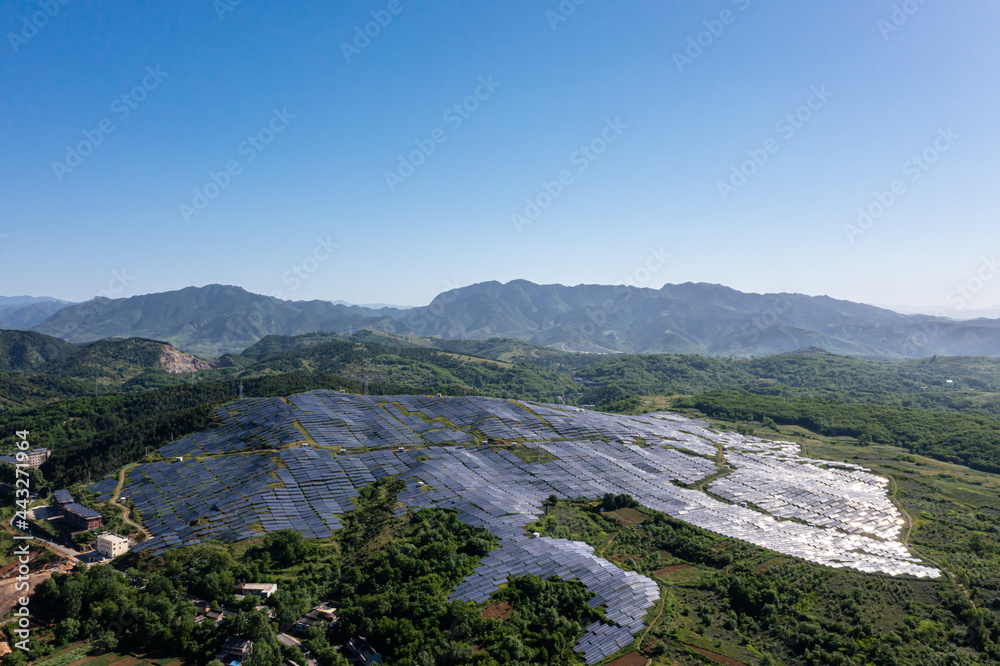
(112, 545)
(235, 649)
(35, 457)
(81, 517)
(62, 497)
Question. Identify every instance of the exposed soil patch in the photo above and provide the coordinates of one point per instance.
(176, 362)
(767, 565)
(128, 661)
(673, 567)
(625, 557)
(500, 611)
(723, 547)
(9, 595)
(631, 659)
(11, 569)
(716, 657)
(628, 516)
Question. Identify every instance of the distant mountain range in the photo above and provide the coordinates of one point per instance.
(686, 318)
(24, 312)
(209, 320)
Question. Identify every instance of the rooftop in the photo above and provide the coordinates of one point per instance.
(110, 536)
(81, 510)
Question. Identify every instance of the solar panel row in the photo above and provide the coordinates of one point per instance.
(228, 493)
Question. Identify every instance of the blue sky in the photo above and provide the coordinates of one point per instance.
(648, 129)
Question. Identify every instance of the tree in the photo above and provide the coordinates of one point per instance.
(106, 641)
(287, 547)
(265, 654)
(612, 502)
(330, 656)
(292, 654)
(68, 630)
(375, 504)
(16, 658)
(289, 604)
(319, 647)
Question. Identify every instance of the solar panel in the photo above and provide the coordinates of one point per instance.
(842, 516)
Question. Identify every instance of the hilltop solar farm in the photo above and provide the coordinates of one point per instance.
(296, 463)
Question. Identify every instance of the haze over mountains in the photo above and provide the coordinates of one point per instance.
(23, 312)
(686, 318)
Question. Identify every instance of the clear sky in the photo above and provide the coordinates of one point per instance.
(589, 142)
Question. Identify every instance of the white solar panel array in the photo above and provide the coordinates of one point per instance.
(843, 516)
(784, 486)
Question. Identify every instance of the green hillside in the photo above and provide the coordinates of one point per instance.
(91, 437)
(24, 351)
(960, 383)
(420, 366)
(943, 407)
(26, 389)
(900, 418)
(115, 361)
(966, 439)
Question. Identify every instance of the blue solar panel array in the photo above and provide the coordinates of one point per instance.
(257, 473)
(252, 423)
(105, 489)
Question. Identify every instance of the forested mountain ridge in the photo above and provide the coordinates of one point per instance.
(208, 320)
(26, 350)
(513, 367)
(687, 318)
(111, 363)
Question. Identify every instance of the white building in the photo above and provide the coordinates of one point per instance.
(260, 589)
(112, 545)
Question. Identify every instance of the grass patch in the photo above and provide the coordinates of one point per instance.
(628, 516)
(533, 454)
(71, 653)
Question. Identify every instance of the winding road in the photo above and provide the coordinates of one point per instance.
(125, 510)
